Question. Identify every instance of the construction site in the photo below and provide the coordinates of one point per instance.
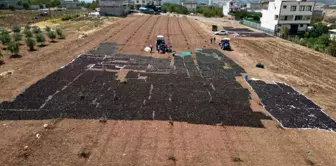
(103, 100)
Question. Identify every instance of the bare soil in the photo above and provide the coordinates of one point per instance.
(154, 142)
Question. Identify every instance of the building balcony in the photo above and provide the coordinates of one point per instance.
(294, 21)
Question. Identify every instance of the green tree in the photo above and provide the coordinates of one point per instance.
(332, 49)
(47, 29)
(40, 38)
(1, 59)
(27, 27)
(11, 7)
(16, 29)
(51, 35)
(284, 32)
(28, 33)
(5, 37)
(14, 48)
(17, 37)
(30, 43)
(25, 5)
(60, 33)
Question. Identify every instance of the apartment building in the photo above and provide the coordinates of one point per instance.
(114, 7)
(6, 3)
(294, 14)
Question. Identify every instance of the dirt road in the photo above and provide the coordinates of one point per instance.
(89, 142)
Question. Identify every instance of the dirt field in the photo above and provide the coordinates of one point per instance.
(158, 142)
(23, 17)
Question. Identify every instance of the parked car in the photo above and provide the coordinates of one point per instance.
(222, 32)
(44, 13)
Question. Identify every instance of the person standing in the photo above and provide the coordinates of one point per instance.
(211, 40)
(214, 39)
(151, 48)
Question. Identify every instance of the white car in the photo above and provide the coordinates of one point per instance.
(223, 32)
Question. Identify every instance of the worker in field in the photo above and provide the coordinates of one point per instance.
(151, 48)
(211, 40)
(214, 39)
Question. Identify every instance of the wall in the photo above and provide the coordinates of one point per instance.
(268, 19)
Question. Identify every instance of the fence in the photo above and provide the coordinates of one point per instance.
(257, 26)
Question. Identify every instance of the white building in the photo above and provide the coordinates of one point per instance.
(294, 14)
(332, 34)
(229, 6)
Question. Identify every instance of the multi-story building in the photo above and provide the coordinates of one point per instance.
(114, 7)
(230, 6)
(190, 5)
(294, 14)
(6, 3)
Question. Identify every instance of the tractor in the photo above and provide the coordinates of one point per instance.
(225, 44)
(160, 44)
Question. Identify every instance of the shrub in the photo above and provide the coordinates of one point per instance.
(284, 31)
(14, 48)
(27, 27)
(60, 33)
(332, 49)
(36, 30)
(28, 33)
(5, 37)
(40, 38)
(69, 17)
(47, 29)
(1, 58)
(30, 43)
(17, 37)
(16, 29)
(51, 35)
(11, 7)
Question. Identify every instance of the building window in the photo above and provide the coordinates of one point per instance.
(137, 1)
(309, 8)
(301, 25)
(298, 17)
(276, 17)
(284, 7)
(143, 1)
(302, 8)
(293, 8)
(286, 17)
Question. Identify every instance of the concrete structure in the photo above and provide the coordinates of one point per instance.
(114, 7)
(256, 7)
(70, 4)
(230, 6)
(6, 3)
(145, 2)
(332, 34)
(190, 5)
(294, 14)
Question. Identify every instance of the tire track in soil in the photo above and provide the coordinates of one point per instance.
(184, 34)
(150, 33)
(29, 140)
(102, 148)
(134, 34)
(127, 28)
(198, 32)
(315, 61)
(280, 59)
